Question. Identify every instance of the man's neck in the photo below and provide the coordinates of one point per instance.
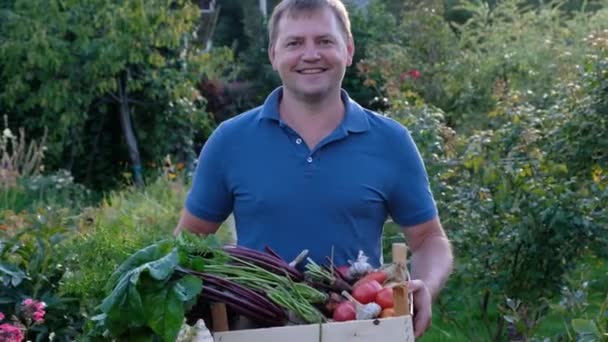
(313, 120)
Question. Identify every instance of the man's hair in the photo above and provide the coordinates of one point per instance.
(295, 7)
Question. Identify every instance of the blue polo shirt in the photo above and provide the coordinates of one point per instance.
(334, 198)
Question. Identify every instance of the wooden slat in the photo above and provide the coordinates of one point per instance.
(219, 317)
(400, 296)
(393, 329)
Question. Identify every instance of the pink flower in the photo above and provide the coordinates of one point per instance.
(38, 316)
(415, 74)
(1, 316)
(33, 310)
(10, 333)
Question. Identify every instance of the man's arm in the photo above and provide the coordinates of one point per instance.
(195, 225)
(432, 258)
(431, 264)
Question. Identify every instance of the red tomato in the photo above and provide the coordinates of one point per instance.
(366, 293)
(378, 276)
(345, 311)
(384, 298)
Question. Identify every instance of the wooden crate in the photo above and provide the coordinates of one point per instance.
(393, 329)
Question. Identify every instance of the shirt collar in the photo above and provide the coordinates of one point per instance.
(355, 119)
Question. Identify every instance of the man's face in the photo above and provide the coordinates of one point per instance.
(311, 53)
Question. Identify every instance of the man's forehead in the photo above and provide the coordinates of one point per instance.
(286, 28)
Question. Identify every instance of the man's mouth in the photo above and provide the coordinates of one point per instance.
(309, 71)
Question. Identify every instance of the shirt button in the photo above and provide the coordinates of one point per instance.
(309, 159)
(298, 141)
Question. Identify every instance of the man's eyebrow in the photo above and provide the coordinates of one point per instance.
(293, 37)
(321, 36)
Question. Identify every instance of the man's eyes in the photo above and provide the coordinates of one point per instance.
(295, 43)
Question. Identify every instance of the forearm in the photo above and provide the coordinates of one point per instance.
(193, 224)
(432, 262)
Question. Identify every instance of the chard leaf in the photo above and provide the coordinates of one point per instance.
(165, 313)
(165, 308)
(188, 287)
(141, 257)
(124, 306)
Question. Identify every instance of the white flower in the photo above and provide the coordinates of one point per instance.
(8, 134)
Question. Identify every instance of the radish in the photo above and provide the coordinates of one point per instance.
(364, 311)
(366, 292)
(380, 275)
(345, 311)
(384, 298)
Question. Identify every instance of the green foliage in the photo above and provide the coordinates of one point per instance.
(579, 121)
(31, 266)
(467, 69)
(369, 26)
(108, 234)
(519, 206)
(144, 294)
(77, 53)
(123, 223)
(583, 306)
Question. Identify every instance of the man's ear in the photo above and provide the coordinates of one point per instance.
(350, 49)
(271, 55)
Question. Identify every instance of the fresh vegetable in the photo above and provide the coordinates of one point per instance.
(129, 306)
(157, 287)
(388, 312)
(382, 275)
(364, 311)
(343, 271)
(384, 298)
(264, 260)
(241, 295)
(299, 258)
(324, 277)
(360, 267)
(379, 276)
(273, 253)
(332, 302)
(296, 305)
(294, 296)
(345, 311)
(366, 292)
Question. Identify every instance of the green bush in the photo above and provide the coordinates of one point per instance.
(72, 69)
(467, 69)
(32, 265)
(123, 223)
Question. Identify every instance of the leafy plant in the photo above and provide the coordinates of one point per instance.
(144, 294)
(31, 266)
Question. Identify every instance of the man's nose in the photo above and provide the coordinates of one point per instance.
(311, 52)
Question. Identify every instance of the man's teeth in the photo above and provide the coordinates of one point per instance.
(311, 71)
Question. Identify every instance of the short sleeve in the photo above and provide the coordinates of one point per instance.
(410, 201)
(209, 197)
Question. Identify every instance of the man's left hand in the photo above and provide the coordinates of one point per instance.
(422, 306)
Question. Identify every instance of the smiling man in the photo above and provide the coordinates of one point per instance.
(312, 169)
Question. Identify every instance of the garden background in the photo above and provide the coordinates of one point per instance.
(107, 103)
